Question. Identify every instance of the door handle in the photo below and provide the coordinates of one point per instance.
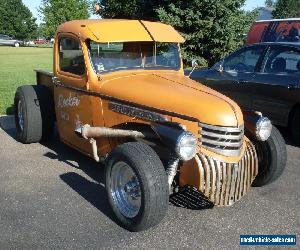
(242, 81)
(55, 80)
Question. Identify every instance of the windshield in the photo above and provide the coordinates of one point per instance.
(107, 57)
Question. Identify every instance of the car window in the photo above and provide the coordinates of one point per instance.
(244, 60)
(70, 56)
(282, 61)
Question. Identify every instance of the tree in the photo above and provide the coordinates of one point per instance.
(212, 29)
(286, 9)
(16, 20)
(134, 9)
(56, 12)
(269, 3)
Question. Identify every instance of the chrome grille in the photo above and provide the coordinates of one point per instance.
(226, 141)
(225, 183)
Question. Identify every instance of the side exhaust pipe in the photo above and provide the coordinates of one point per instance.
(91, 133)
(88, 132)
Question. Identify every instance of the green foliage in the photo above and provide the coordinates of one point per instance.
(212, 29)
(134, 9)
(287, 9)
(56, 12)
(269, 3)
(16, 20)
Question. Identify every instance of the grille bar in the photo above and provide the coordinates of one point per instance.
(222, 143)
(227, 141)
(214, 135)
(225, 183)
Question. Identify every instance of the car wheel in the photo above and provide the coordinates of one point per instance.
(34, 115)
(17, 44)
(136, 184)
(295, 127)
(272, 156)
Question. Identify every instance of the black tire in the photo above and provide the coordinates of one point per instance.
(152, 178)
(36, 105)
(272, 156)
(295, 127)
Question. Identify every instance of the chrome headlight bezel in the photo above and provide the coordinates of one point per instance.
(263, 129)
(186, 146)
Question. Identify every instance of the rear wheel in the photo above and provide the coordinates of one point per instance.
(272, 158)
(136, 185)
(295, 127)
(34, 115)
(17, 44)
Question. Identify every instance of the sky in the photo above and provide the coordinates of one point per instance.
(34, 4)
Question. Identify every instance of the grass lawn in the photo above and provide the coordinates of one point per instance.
(16, 68)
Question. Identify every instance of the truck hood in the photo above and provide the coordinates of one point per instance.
(174, 93)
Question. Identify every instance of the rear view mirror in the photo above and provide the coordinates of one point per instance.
(194, 63)
(194, 66)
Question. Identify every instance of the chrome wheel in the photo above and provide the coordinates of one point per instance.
(20, 115)
(125, 189)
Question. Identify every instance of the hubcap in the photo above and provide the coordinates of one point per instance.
(125, 189)
(20, 115)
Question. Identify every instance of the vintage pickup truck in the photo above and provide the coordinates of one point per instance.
(118, 94)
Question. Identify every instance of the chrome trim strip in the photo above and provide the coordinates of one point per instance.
(223, 129)
(227, 141)
(223, 143)
(229, 137)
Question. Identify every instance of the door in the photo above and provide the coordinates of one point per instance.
(72, 102)
(235, 80)
(276, 86)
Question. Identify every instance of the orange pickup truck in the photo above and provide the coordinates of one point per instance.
(118, 94)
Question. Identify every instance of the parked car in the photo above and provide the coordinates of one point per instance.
(263, 77)
(158, 133)
(7, 40)
(40, 41)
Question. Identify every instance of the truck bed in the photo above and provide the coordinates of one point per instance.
(44, 78)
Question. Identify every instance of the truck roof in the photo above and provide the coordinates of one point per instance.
(118, 30)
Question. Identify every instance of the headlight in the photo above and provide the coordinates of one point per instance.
(186, 146)
(263, 129)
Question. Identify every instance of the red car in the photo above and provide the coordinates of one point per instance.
(40, 41)
(276, 30)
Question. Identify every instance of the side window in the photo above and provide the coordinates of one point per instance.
(283, 61)
(70, 56)
(244, 61)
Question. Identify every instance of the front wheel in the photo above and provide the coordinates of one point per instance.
(17, 44)
(272, 158)
(136, 184)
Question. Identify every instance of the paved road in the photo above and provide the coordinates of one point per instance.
(53, 198)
